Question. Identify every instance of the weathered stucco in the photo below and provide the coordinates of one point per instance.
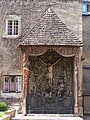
(86, 63)
(86, 39)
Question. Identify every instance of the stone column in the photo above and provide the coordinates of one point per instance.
(75, 87)
(80, 84)
(25, 74)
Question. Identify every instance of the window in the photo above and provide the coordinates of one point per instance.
(12, 84)
(86, 7)
(13, 26)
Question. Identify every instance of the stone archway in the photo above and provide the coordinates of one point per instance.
(50, 85)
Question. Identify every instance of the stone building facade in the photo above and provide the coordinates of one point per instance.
(34, 32)
(86, 54)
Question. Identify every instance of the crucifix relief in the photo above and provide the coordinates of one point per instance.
(50, 59)
(50, 84)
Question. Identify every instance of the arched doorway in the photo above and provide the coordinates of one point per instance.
(50, 85)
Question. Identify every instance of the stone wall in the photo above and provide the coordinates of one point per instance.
(86, 63)
(86, 39)
(31, 12)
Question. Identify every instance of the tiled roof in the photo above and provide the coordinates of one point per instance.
(50, 31)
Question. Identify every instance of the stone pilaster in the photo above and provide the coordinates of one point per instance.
(80, 85)
(75, 87)
(25, 74)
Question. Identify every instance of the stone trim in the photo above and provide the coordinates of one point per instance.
(76, 52)
(25, 72)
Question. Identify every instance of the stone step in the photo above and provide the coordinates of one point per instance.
(43, 117)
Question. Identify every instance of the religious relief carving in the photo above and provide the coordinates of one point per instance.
(61, 89)
(50, 84)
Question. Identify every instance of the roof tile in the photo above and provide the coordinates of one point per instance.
(50, 31)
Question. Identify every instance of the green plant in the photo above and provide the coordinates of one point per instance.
(2, 114)
(3, 106)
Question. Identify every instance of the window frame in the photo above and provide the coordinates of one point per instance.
(19, 85)
(13, 27)
(85, 5)
(16, 80)
(12, 18)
